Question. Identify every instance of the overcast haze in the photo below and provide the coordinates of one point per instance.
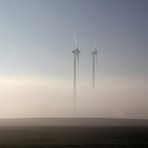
(36, 60)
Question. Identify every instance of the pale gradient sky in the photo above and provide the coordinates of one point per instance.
(36, 61)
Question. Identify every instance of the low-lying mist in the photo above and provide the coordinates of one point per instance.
(23, 97)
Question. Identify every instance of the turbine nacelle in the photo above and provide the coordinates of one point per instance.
(76, 51)
(94, 52)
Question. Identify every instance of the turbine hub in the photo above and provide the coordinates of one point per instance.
(94, 52)
(76, 51)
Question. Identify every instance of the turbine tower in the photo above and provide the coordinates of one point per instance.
(94, 60)
(76, 53)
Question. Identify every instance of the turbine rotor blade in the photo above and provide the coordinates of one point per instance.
(96, 57)
(95, 44)
(78, 62)
(75, 40)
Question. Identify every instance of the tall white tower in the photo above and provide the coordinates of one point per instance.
(94, 60)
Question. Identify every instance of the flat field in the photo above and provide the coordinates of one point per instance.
(74, 137)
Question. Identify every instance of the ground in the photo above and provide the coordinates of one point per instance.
(73, 137)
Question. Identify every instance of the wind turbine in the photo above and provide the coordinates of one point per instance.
(76, 53)
(94, 60)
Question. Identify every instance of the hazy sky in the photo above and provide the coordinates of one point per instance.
(36, 61)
